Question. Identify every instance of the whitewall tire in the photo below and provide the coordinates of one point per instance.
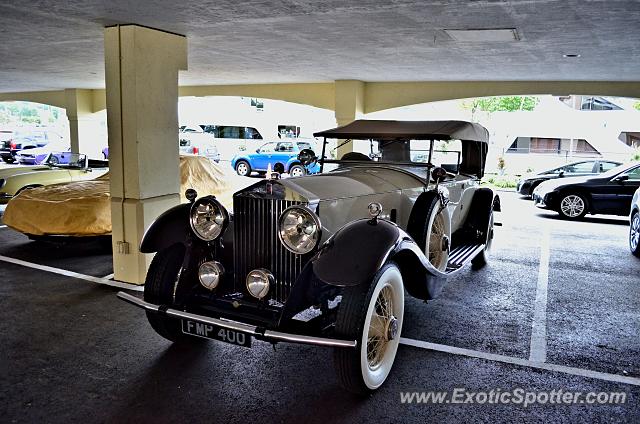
(372, 314)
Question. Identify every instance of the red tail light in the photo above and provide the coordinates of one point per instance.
(195, 150)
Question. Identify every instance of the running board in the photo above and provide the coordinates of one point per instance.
(462, 255)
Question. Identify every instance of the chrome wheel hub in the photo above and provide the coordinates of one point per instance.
(572, 206)
(634, 232)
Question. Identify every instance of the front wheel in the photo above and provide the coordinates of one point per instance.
(573, 206)
(371, 314)
(634, 234)
(159, 286)
(243, 168)
(9, 160)
(297, 171)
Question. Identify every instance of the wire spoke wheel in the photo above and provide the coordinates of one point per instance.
(572, 206)
(372, 314)
(436, 249)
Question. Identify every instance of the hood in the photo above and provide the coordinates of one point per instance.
(342, 183)
(551, 185)
(17, 170)
(338, 184)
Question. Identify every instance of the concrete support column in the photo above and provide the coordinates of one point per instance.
(349, 106)
(85, 132)
(142, 67)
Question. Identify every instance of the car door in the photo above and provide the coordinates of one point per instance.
(261, 159)
(284, 150)
(626, 185)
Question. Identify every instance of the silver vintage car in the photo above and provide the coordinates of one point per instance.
(326, 259)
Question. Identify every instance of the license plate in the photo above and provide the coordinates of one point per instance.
(213, 332)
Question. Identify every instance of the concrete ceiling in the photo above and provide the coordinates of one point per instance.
(47, 45)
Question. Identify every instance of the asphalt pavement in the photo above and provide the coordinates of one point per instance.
(557, 308)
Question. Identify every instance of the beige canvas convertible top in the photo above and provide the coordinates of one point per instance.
(83, 208)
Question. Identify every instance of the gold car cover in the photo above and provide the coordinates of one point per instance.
(83, 208)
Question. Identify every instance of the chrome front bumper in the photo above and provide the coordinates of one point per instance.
(237, 326)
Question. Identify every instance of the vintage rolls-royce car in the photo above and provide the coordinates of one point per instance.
(325, 259)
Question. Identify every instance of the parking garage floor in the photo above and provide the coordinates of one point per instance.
(557, 308)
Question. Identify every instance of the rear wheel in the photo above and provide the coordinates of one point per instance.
(371, 314)
(634, 234)
(573, 206)
(482, 258)
(297, 171)
(243, 168)
(159, 286)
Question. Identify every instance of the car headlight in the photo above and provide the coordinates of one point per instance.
(208, 218)
(299, 229)
(258, 282)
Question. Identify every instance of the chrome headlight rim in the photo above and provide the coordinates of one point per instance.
(223, 216)
(210, 274)
(265, 277)
(311, 214)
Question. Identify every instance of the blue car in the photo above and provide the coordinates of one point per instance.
(281, 155)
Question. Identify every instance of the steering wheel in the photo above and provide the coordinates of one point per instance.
(307, 157)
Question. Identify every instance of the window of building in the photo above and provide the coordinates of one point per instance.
(544, 145)
(583, 146)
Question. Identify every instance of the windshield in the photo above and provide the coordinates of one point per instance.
(446, 153)
(67, 160)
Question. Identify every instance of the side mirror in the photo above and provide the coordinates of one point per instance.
(257, 150)
(191, 195)
(307, 157)
(561, 174)
(621, 178)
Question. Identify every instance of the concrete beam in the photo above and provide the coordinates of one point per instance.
(377, 95)
(349, 106)
(387, 95)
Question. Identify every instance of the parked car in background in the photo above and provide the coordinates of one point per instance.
(83, 208)
(193, 140)
(528, 183)
(59, 167)
(280, 156)
(607, 193)
(37, 155)
(325, 259)
(634, 227)
(25, 139)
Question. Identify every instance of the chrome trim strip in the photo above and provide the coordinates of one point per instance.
(238, 326)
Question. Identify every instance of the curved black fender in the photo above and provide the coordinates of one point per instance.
(171, 227)
(356, 252)
(483, 203)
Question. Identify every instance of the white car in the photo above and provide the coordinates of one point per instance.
(194, 141)
(634, 228)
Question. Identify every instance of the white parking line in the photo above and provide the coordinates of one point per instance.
(108, 277)
(522, 362)
(72, 274)
(538, 344)
(3, 226)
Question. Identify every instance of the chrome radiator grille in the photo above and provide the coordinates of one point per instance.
(256, 244)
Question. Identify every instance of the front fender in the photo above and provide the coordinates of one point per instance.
(356, 252)
(169, 228)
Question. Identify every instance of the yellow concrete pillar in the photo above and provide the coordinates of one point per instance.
(142, 67)
(85, 131)
(349, 106)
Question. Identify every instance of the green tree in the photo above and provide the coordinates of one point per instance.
(636, 105)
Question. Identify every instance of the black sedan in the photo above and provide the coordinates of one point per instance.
(608, 193)
(527, 184)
